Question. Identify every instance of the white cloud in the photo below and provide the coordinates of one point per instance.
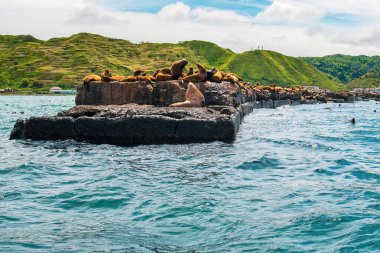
(93, 15)
(213, 16)
(296, 13)
(179, 22)
(176, 12)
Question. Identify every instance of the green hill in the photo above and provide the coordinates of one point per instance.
(29, 63)
(270, 67)
(370, 79)
(356, 71)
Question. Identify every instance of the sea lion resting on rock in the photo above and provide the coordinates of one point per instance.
(163, 74)
(172, 73)
(106, 76)
(90, 78)
(232, 78)
(194, 98)
(139, 73)
(199, 77)
(216, 76)
(190, 72)
(133, 78)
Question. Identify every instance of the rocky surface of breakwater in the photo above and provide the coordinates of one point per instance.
(161, 93)
(138, 113)
(136, 124)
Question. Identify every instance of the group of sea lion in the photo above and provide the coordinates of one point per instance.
(174, 72)
(194, 98)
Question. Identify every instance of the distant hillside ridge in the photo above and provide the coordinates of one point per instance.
(29, 63)
(355, 71)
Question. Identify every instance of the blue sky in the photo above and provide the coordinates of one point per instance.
(292, 27)
(246, 7)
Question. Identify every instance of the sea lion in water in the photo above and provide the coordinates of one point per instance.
(194, 98)
(199, 77)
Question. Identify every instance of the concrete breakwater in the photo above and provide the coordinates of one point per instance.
(136, 124)
(138, 113)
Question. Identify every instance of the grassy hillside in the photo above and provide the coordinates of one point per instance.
(357, 71)
(29, 63)
(270, 67)
(370, 79)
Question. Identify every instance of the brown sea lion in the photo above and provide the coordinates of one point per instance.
(216, 75)
(129, 79)
(177, 68)
(194, 98)
(90, 78)
(190, 72)
(199, 77)
(106, 76)
(163, 77)
(165, 71)
(148, 78)
(231, 77)
(139, 72)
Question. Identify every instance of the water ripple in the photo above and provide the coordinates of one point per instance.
(297, 179)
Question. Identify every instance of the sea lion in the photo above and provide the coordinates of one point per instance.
(232, 78)
(90, 78)
(166, 71)
(106, 76)
(194, 98)
(199, 77)
(139, 72)
(163, 77)
(129, 79)
(216, 76)
(148, 78)
(177, 68)
(190, 72)
(163, 74)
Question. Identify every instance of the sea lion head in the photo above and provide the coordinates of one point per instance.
(165, 71)
(191, 70)
(138, 72)
(201, 68)
(202, 71)
(107, 73)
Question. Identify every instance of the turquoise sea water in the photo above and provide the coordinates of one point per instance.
(297, 179)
